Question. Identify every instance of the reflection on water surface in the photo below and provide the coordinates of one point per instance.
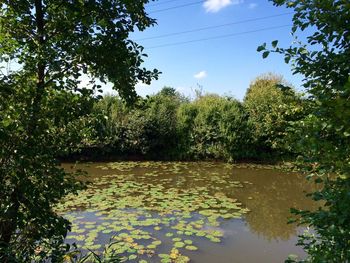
(173, 212)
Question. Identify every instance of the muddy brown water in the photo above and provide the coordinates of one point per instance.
(262, 235)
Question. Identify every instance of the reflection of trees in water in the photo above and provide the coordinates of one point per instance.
(273, 195)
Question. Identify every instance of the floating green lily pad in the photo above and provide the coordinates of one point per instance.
(132, 201)
(179, 244)
(190, 247)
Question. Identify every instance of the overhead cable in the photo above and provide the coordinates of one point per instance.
(176, 7)
(213, 27)
(161, 3)
(218, 37)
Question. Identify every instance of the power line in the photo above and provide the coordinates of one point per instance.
(161, 3)
(176, 7)
(213, 27)
(218, 37)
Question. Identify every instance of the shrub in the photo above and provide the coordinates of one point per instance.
(271, 105)
(214, 126)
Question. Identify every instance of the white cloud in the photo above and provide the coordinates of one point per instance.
(214, 6)
(252, 5)
(200, 75)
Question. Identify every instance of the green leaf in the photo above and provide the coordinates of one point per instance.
(193, 248)
(287, 59)
(346, 134)
(274, 43)
(266, 54)
(303, 51)
(131, 257)
(261, 48)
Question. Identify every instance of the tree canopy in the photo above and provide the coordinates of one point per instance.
(60, 40)
(324, 135)
(271, 104)
(51, 46)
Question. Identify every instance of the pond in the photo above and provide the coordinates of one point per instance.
(183, 211)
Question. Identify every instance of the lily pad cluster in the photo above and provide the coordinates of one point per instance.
(152, 211)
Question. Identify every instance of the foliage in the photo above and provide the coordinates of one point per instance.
(148, 128)
(323, 60)
(215, 127)
(108, 114)
(43, 106)
(30, 175)
(271, 104)
(160, 111)
(325, 151)
(108, 255)
(168, 126)
(324, 145)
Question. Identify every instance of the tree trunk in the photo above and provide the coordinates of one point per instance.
(9, 222)
(40, 82)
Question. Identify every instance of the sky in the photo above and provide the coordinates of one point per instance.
(219, 55)
(212, 45)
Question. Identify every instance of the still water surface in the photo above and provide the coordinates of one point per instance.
(228, 214)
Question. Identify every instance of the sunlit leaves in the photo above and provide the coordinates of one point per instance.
(322, 137)
(44, 106)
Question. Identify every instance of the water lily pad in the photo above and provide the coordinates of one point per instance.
(190, 247)
(133, 200)
(157, 242)
(188, 242)
(132, 257)
(179, 244)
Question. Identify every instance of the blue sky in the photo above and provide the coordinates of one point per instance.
(225, 65)
(227, 61)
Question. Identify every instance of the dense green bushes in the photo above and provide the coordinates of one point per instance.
(271, 106)
(213, 127)
(169, 126)
(148, 128)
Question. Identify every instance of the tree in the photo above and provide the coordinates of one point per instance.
(271, 104)
(53, 43)
(325, 142)
(160, 130)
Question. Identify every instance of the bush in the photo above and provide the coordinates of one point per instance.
(169, 126)
(271, 106)
(147, 129)
(161, 133)
(213, 127)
